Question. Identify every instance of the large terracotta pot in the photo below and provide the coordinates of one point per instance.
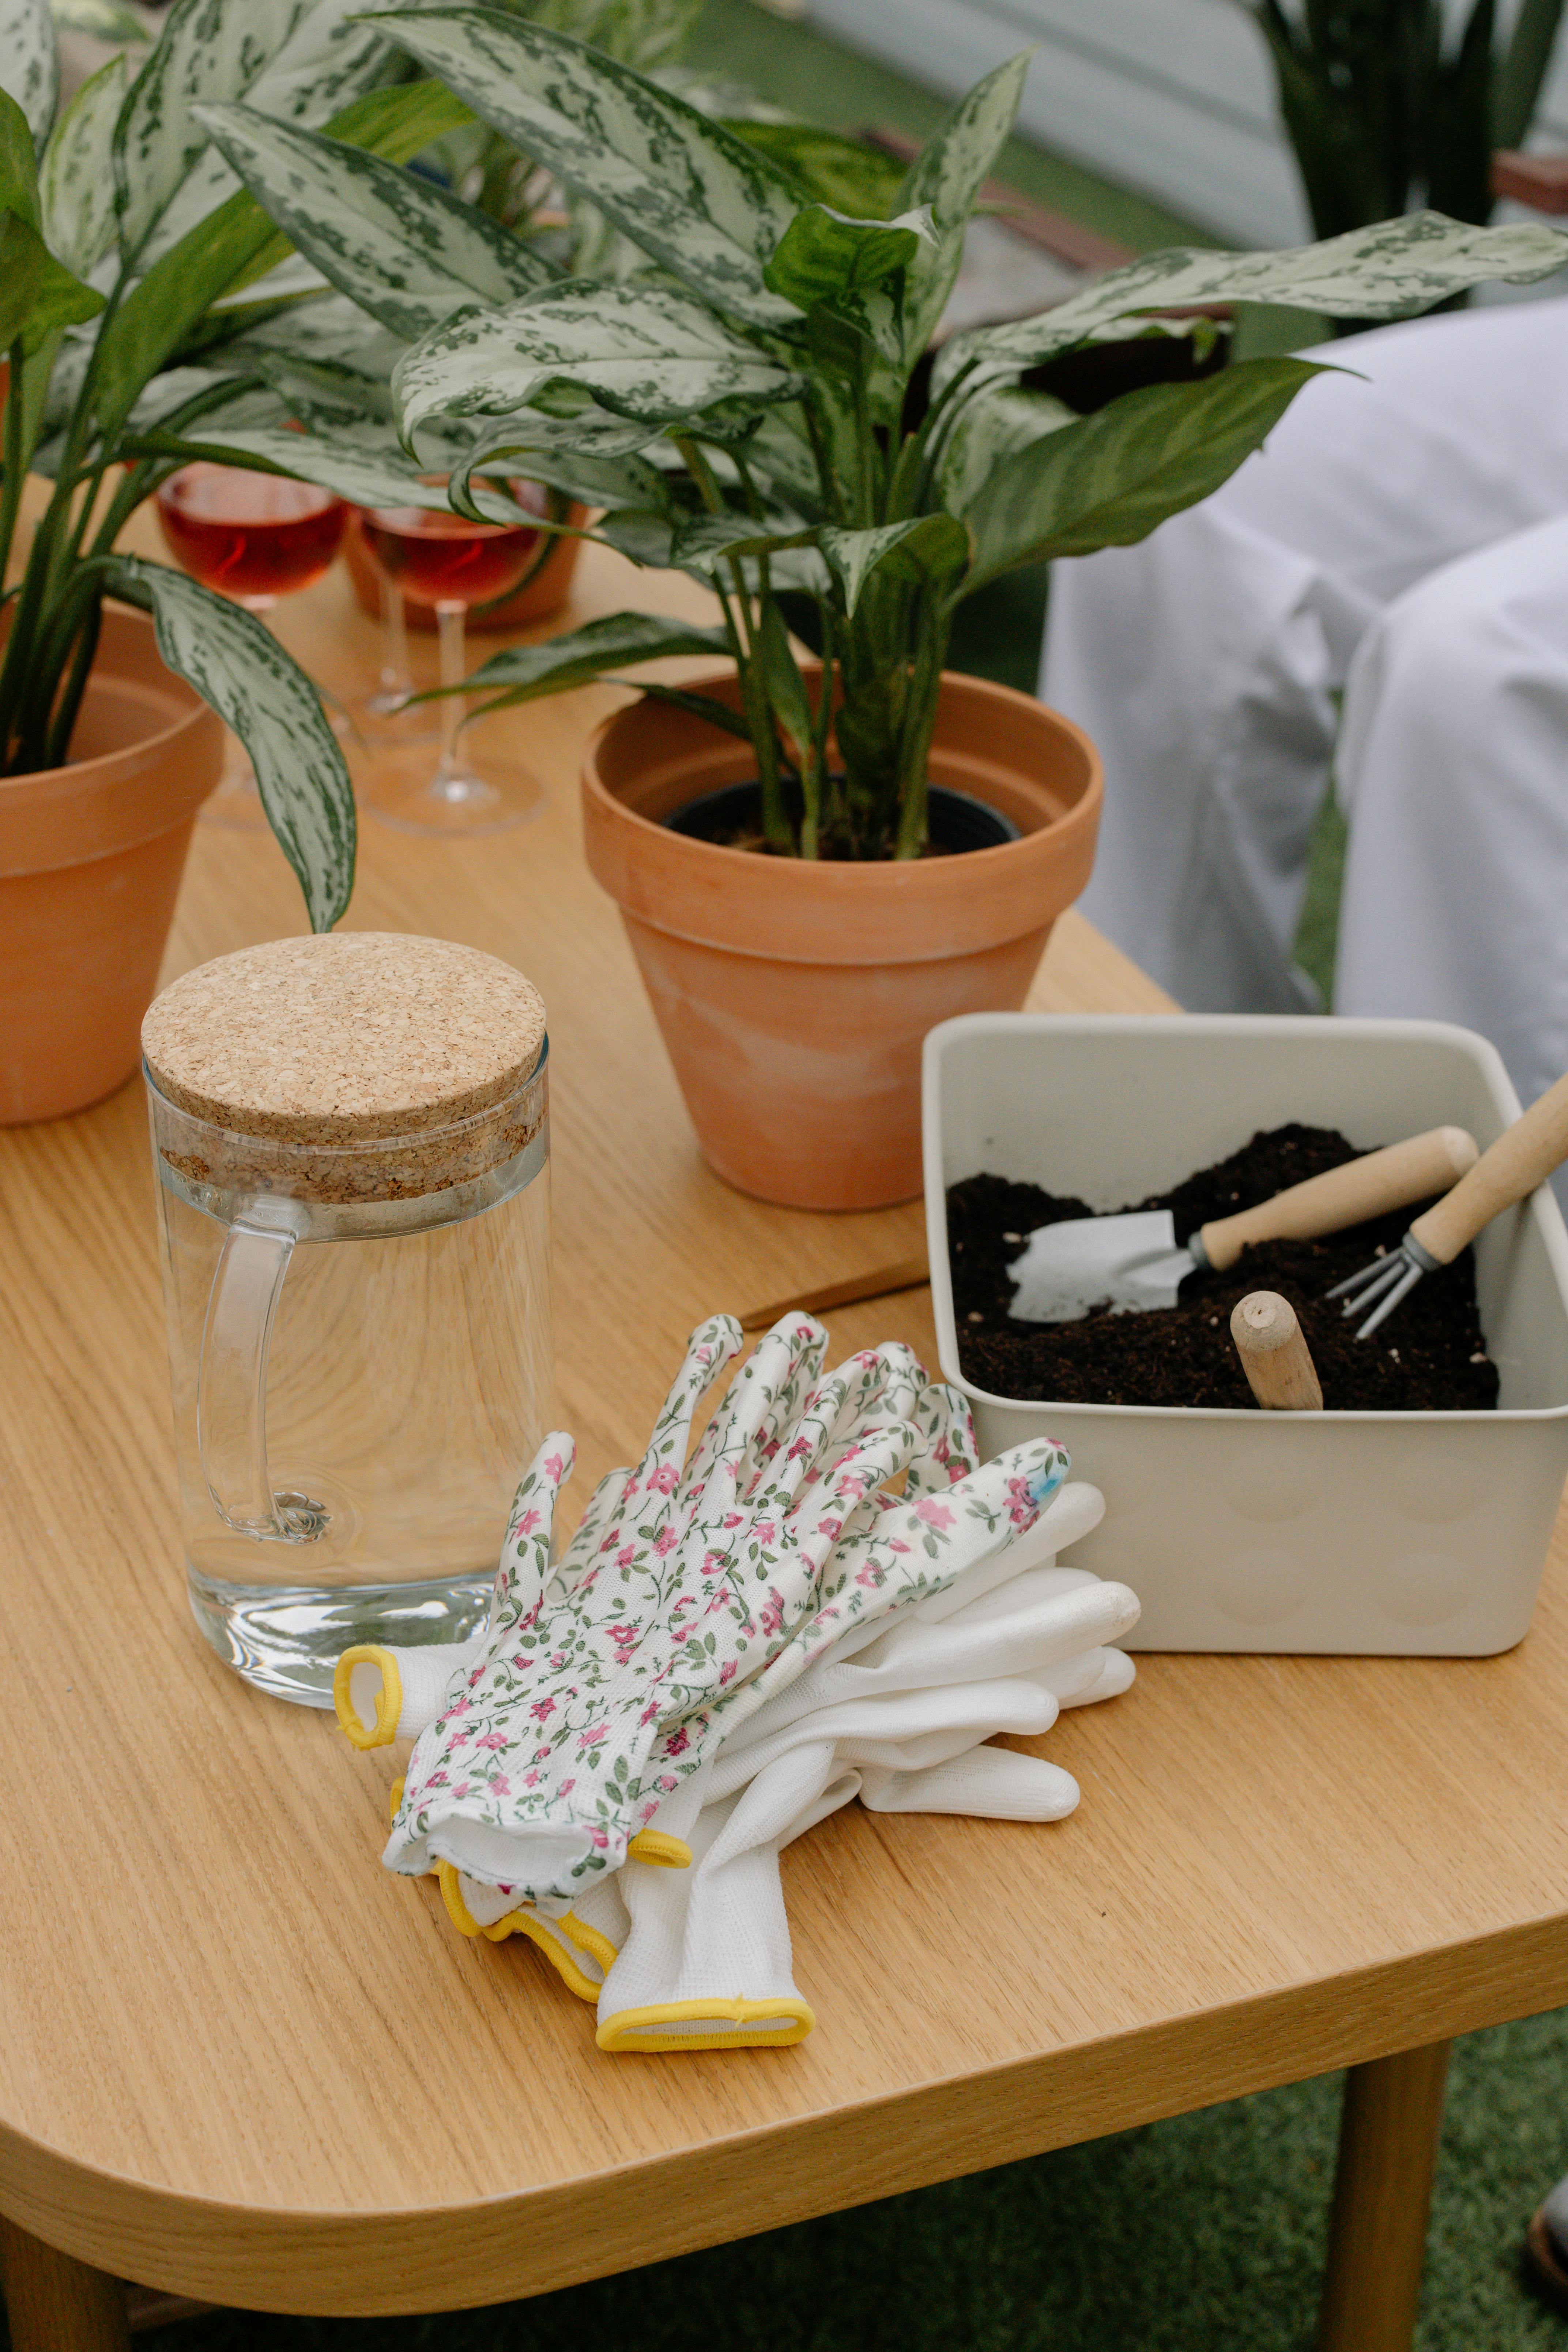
(91, 859)
(793, 996)
(544, 592)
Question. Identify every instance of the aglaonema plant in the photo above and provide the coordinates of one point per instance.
(739, 407)
(140, 293)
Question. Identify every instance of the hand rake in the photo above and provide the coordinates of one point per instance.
(1524, 1156)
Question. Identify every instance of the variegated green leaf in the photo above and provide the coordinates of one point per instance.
(646, 33)
(37, 295)
(617, 641)
(30, 67)
(77, 181)
(853, 177)
(705, 205)
(102, 20)
(368, 469)
(332, 333)
(1390, 271)
(18, 167)
(779, 455)
(646, 351)
(238, 667)
(208, 50)
(948, 174)
(928, 548)
(989, 429)
(825, 258)
(707, 541)
(1110, 478)
(590, 458)
(401, 247)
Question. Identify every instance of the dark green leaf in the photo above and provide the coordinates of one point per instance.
(36, 293)
(847, 174)
(929, 547)
(1112, 478)
(18, 171)
(619, 640)
(823, 254)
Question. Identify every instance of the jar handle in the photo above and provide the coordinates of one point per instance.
(231, 1389)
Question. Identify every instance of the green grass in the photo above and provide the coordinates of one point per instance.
(1202, 2234)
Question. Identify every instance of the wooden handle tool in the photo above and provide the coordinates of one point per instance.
(1368, 1187)
(1524, 1156)
(909, 1274)
(1274, 1353)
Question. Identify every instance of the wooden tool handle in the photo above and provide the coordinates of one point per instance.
(1524, 1156)
(908, 1275)
(1274, 1353)
(1367, 1187)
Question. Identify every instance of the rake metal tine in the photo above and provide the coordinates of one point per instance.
(1366, 1284)
(1407, 1283)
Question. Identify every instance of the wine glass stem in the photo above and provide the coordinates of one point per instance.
(454, 706)
(396, 675)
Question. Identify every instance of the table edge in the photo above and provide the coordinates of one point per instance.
(370, 2263)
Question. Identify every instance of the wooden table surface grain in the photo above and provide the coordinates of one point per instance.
(241, 2061)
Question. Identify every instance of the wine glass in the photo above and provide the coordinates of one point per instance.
(430, 556)
(253, 537)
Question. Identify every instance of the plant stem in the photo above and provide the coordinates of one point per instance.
(11, 491)
(932, 626)
(58, 749)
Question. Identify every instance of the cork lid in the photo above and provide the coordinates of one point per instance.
(345, 1037)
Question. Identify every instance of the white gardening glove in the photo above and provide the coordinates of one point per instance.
(565, 1711)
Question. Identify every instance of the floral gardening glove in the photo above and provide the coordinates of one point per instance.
(716, 1573)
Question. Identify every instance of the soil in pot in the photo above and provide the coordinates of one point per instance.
(733, 817)
(1429, 1358)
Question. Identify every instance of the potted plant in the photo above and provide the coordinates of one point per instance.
(736, 409)
(131, 260)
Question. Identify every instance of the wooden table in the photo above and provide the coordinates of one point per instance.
(242, 2061)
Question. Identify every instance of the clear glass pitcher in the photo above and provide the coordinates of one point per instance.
(358, 1322)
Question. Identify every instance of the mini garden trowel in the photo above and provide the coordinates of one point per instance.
(1132, 1263)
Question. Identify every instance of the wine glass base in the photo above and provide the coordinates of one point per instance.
(466, 801)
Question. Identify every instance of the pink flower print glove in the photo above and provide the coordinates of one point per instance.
(577, 1699)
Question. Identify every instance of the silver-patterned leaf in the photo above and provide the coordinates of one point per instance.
(238, 667)
(948, 174)
(329, 60)
(333, 329)
(75, 180)
(1390, 271)
(102, 20)
(616, 641)
(705, 205)
(590, 458)
(401, 247)
(366, 467)
(855, 269)
(708, 541)
(645, 351)
(208, 50)
(928, 547)
(29, 65)
(994, 426)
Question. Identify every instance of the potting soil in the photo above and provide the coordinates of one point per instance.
(1428, 1357)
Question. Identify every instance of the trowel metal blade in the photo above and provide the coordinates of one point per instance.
(1130, 1264)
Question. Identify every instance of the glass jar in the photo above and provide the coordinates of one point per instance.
(350, 1137)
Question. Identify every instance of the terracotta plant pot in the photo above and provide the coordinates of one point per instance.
(91, 859)
(544, 594)
(793, 996)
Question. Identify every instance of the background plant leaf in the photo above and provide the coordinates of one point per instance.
(948, 174)
(37, 294)
(928, 547)
(77, 180)
(30, 67)
(616, 641)
(236, 664)
(704, 204)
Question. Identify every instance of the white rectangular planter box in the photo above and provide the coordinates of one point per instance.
(1378, 1534)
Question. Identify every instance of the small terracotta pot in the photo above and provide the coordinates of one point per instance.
(544, 594)
(91, 859)
(793, 996)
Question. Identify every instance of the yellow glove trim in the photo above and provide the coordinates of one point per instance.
(534, 1928)
(395, 1798)
(389, 1699)
(458, 1911)
(657, 1847)
(588, 1939)
(638, 2028)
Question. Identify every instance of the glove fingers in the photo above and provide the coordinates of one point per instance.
(808, 1342)
(524, 1564)
(989, 1784)
(948, 1451)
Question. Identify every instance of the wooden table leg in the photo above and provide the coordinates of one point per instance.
(1383, 2197)
(55, 2303)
